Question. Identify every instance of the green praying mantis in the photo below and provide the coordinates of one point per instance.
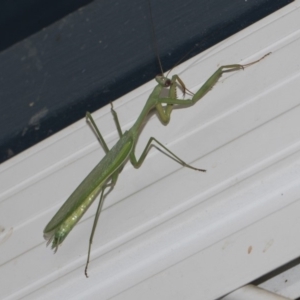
(105, 174)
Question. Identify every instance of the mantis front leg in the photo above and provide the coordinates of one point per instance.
(165, 112)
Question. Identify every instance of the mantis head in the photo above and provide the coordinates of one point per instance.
(163, 81)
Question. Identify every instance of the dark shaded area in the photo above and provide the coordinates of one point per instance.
(102, 52)
(22, 18)
(292, 264)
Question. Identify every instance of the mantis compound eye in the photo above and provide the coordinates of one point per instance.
(167, 82)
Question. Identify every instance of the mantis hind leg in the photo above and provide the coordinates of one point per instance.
(111, 185)
(137, 163)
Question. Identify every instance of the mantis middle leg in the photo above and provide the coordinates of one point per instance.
(137, 163)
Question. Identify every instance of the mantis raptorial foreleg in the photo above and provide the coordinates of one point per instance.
(165, 112)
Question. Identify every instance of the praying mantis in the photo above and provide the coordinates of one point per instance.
(105, 173)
